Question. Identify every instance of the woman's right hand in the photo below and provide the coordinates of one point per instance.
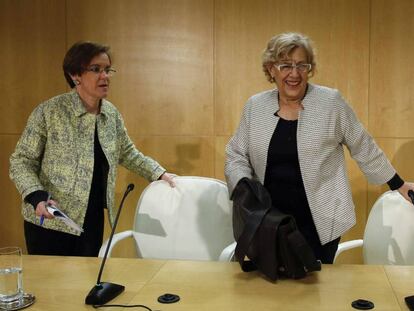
(41, 209)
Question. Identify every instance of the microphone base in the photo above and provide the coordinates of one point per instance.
(103, 292)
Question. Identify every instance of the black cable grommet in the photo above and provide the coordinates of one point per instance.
(362, 304)
(168, 298)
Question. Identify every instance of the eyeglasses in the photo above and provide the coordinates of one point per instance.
(287, 68)
(98, 70)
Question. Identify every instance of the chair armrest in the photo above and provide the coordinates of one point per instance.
(115, 239)
(348, 245)
(228, 253)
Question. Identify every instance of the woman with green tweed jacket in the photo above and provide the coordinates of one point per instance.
(68, 156)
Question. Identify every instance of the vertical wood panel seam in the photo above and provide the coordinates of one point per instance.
(367, 207)
(67, 88)
(214, 90)
(369, 62)
(66, 25)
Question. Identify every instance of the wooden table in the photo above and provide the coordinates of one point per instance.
(402, 282)
(61, 283)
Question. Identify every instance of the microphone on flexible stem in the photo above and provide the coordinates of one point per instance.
(103, 292)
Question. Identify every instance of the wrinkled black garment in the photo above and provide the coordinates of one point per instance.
(268, 237)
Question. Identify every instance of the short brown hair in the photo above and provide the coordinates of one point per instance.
(79, 56)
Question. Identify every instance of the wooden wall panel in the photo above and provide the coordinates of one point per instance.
(340, 30)
(392, 75)
(11, 221)
(163, 51)
(32, 33)
(33, 40)
(391, 94)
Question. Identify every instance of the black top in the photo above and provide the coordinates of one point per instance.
(94, 218)
(283, 178)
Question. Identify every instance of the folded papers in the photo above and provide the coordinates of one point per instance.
(64, 218)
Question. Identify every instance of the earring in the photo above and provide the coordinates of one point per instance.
(76, 82)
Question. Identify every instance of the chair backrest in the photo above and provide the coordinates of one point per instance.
(191, 221)
(389, 233)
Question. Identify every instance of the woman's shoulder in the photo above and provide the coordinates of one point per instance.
(323, 97)
(322, 91)
(262, 100)
(260, 104)
(109, 108)
(54, 103)
(264, 96)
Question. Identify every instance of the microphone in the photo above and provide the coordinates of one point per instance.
(411, 195)
(103, 292)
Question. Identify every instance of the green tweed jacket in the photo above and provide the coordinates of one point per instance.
(56, 153)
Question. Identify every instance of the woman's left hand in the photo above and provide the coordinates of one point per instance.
(168, 178)
(403, 190)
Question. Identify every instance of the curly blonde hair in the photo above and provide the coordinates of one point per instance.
(282, 45)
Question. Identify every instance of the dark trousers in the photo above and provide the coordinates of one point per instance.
(42, 241)
(325, 253)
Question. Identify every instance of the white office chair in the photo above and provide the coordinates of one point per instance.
(191, 221)
(389, 232)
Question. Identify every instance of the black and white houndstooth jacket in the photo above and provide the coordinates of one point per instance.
(325, 125)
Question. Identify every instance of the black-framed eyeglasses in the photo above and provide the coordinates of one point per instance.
(287, 68)
(98, 70)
